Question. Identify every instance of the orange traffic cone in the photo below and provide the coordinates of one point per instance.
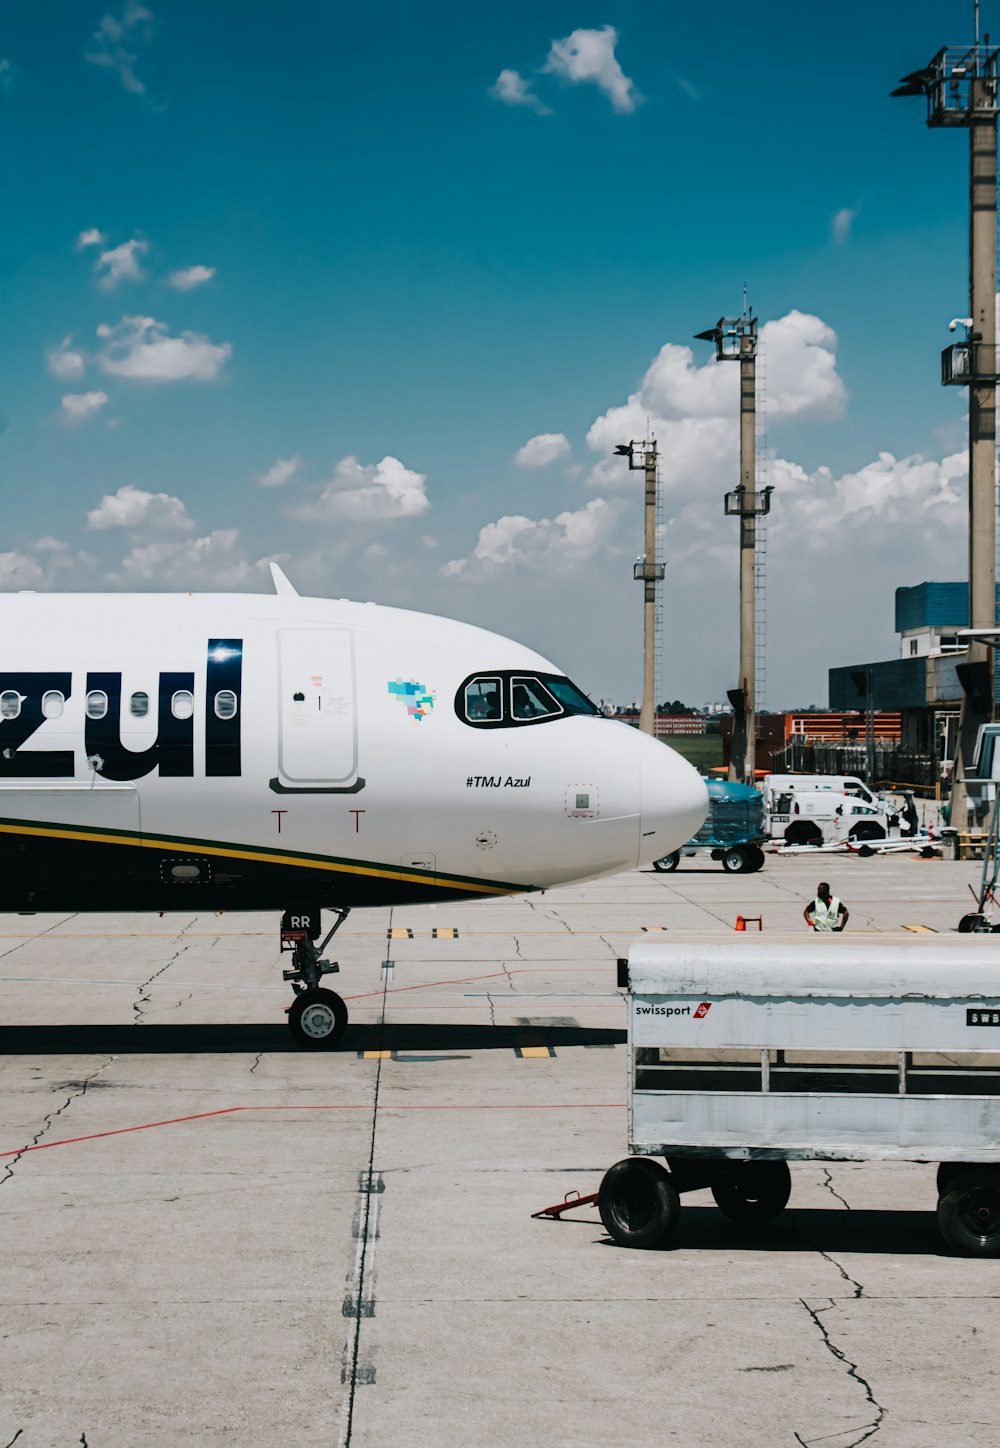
(740, 923)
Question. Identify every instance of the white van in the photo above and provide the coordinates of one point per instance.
(824, 816)
(838, 783)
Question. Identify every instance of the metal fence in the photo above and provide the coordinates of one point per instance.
(894, 763)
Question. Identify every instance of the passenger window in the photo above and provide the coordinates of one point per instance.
(10, 704)
(52, 704)
(530, 699)
(182, 704)
(97, 704)
(139, 705)
(482, 701)
(225, 704)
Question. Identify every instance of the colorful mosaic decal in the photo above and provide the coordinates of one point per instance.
(418, 700)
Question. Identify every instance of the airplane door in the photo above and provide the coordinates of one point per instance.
(317, 712)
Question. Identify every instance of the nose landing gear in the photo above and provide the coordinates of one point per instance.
(317, 1017)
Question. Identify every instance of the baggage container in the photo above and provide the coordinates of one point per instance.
(747, 1052)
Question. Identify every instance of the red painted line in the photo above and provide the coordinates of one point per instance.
(430, 984)
(354, 1106)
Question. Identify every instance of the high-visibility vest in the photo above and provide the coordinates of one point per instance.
(826, 917)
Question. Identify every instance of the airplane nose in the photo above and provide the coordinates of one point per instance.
(674, 802)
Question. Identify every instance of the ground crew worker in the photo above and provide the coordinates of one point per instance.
(826, 913)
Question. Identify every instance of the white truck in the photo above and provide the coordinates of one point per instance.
(806, 816)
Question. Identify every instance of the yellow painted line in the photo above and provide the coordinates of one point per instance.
(530, 1053)
(221, 852)
(444, 932)
(376, 1055)
(920, 929)
(648, 927)
(401, 933)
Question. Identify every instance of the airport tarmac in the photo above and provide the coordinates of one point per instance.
(211, 1237)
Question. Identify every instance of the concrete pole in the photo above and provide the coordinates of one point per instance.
(977, 705)
(647, 713)
(743, 755)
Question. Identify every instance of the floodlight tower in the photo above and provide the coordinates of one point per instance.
(642, 458)
(960, 85)
(735, 340)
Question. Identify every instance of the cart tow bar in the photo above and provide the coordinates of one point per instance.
(571, 1199)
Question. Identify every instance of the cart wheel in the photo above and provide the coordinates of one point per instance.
(736, 860)
(968, 923)
(756, 858)
(668, 862)
(638, 1203)
(754, 1191)
(969, 1212)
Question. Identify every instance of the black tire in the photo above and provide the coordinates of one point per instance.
(736, 860)
(968, 923)
(756, 855)
(753, 1192)
(867, 830)
(668, 862)
(318, 1019)
(946, 1170)
(638, 1203)
(968, 1211)
(803, 833)
(866, 852)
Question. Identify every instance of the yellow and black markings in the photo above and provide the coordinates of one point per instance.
(532, 1047)
(921, 929)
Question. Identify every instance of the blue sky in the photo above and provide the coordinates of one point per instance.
(412, 262)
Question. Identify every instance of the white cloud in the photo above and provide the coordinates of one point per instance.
(564, 542)
(141, 348)
(48, 544)
(79, 406)
(693, 411)
(512, 89)
(90, 237)
(213, 562)
(190, 276)
(369, 494)
(19, 570)
(279, 473)
(541, 450)
(121, 264)
(119, 39)
(64, 361)
(589, 56)
(842, 223)
(134, 508)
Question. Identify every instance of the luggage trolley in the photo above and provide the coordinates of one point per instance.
(749, 1052)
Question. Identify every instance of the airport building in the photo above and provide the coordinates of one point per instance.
(922, 682)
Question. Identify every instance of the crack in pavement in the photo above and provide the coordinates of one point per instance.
(47, 1124)
(852, 1372)
(858, 1289)
(142, 996)
(14, 1439)
(831, 1189)
(256, 1062)
(493, 1014)
(517, 947)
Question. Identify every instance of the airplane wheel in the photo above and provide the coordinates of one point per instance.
(317, 1019)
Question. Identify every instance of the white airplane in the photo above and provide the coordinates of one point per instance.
(243, 752)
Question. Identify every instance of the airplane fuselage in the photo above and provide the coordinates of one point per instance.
(245, 752)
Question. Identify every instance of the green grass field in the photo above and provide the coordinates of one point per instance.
(704, 751)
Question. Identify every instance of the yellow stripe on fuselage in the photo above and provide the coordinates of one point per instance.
(261, 856)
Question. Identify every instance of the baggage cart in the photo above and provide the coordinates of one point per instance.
(747, 1052)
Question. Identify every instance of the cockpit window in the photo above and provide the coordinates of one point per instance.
(508, 700)
(570, 697)
(483, 701)
(529, 699)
